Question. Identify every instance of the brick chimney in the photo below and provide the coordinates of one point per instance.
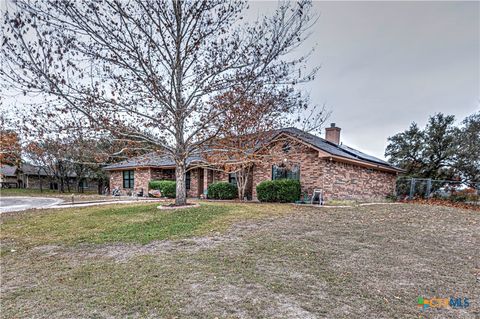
(332, 134)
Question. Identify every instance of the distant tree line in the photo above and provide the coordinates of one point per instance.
(440, 150)
(62, 156)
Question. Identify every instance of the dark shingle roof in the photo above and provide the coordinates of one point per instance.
(29, 169)
(332, 148)
(150, 160)
(162, 160)
(7, 170)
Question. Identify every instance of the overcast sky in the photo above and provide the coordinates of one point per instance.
(386, 64)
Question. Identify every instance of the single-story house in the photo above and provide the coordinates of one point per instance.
(339, 171)
(39, 177)
(8, 176)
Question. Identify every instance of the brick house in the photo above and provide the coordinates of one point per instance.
(341, 172)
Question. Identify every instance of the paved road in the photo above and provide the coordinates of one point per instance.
(13, 204)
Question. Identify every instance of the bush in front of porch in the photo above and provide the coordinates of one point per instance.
(280, 190)
(222, 190)
(166, 188)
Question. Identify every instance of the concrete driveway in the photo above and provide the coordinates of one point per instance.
(14, 203)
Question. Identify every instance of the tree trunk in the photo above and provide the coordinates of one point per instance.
(40, 181)
(181, 191)
(242, 181)
(240, 184)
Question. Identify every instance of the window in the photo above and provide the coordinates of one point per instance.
(282, 172)
(128, 180)
(188, 180)
(232, 178)
(168, 174)
(83, 184)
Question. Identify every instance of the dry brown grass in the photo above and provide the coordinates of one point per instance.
(292, 262)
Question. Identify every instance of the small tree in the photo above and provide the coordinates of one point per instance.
(247, 127)
(10, 148)
(49, 155)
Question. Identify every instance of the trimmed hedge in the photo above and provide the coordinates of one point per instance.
(280, 190)
(222, 190)
(167, 188)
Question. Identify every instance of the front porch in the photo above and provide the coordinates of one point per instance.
(137, 179)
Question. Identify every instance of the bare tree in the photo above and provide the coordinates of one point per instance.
(49, 156)
(145, 71)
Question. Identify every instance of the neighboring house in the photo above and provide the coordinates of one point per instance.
(39, 177)
(341, 172)
(8, 176)
(36, 177)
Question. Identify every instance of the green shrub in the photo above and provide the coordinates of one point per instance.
(280, 190)
(266, 191)
(167, 188)
(222, 190)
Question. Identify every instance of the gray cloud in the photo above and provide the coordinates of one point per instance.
(386, 64)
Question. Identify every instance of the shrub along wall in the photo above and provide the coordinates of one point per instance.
(222, 190)
(166, 188)
(280, 190)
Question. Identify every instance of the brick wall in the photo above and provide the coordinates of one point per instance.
(143, 176)
(347, 181)
(219, 176)
(337, 180)
(116, 180)
(163, 174)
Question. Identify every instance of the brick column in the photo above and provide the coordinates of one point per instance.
(205, 179)
(141, 179)
(193, 191)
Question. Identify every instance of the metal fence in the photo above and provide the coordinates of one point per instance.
(410, 188)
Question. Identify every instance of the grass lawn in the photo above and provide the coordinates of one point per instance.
(67, 196)
(230, 260)
(37, 192)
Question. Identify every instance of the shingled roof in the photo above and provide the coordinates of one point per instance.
(8, 171)
(29, 169)
(341, 150)
(149, 160)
